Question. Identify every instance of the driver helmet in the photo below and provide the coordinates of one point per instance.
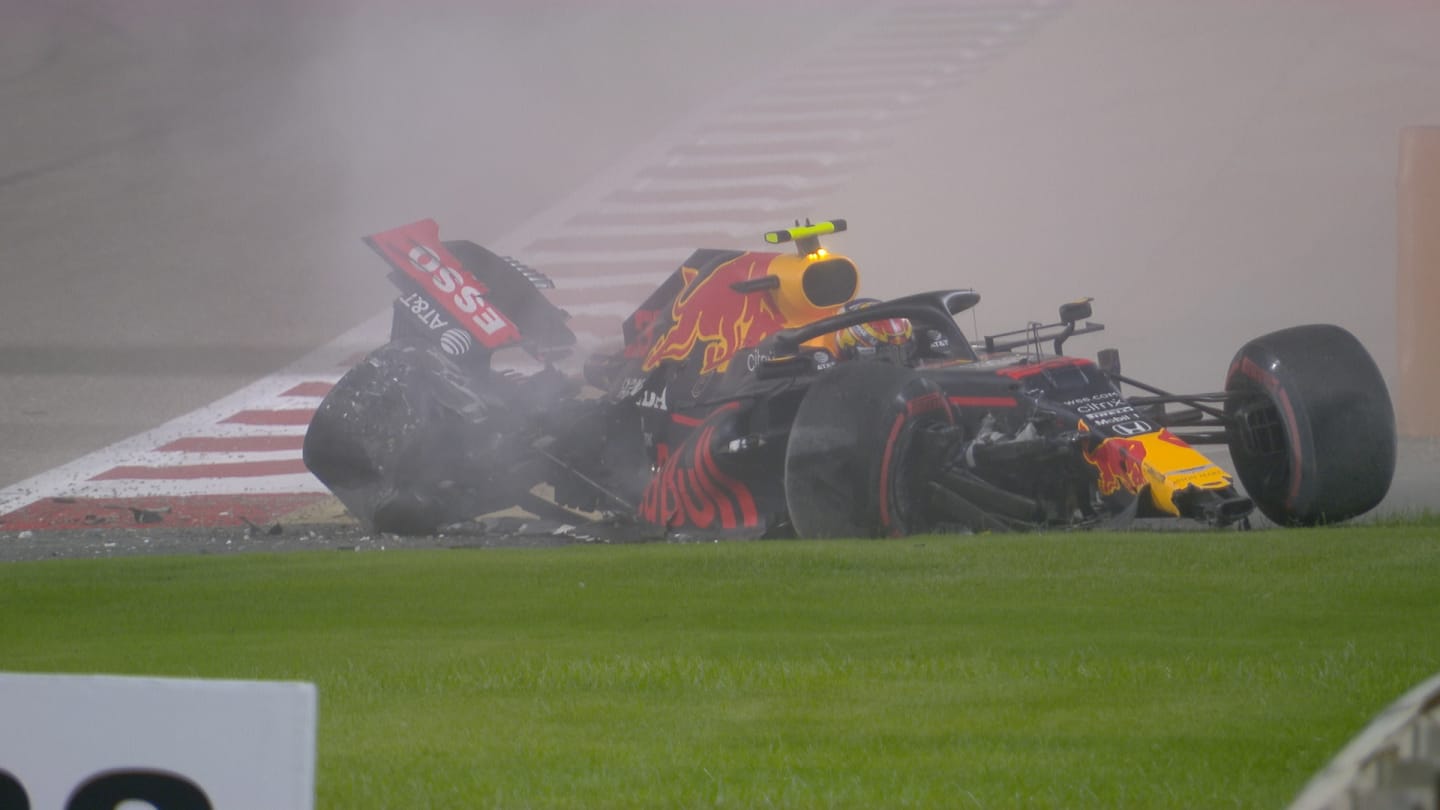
(868, 338)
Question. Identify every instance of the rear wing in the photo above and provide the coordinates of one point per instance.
(497, 299)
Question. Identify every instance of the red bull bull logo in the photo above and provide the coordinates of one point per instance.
(1120, 462)
(709, 313)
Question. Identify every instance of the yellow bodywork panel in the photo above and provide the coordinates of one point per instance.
(791, 296)
(1161, 461)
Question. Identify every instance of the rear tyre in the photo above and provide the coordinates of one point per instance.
(1311, 429)
(407, 442)
(852, 461)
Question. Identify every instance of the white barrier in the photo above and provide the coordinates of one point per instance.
(86, 742)
(1393, 763)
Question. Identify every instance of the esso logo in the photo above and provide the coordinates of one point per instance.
(448, 280)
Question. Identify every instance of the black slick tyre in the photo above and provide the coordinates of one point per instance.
(850, 462)
(1310, 426)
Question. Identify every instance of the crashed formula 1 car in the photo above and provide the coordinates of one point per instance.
(754, 395)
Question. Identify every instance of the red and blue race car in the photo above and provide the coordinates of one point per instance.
(756, 395)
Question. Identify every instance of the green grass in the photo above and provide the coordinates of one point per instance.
(1130, 670)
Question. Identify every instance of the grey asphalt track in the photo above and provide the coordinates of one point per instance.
(183, 185)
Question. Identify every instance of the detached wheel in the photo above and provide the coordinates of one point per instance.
(850, 463)
(408, 445)
(1311, 428)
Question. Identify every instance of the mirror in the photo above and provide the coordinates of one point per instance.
(1075, 311)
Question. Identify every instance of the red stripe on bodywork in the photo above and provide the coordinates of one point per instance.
(185, 472)
(284, 416)
(885, 474)
(1030, 369)
(1272, 384)
(984, 402)
(233, 444)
